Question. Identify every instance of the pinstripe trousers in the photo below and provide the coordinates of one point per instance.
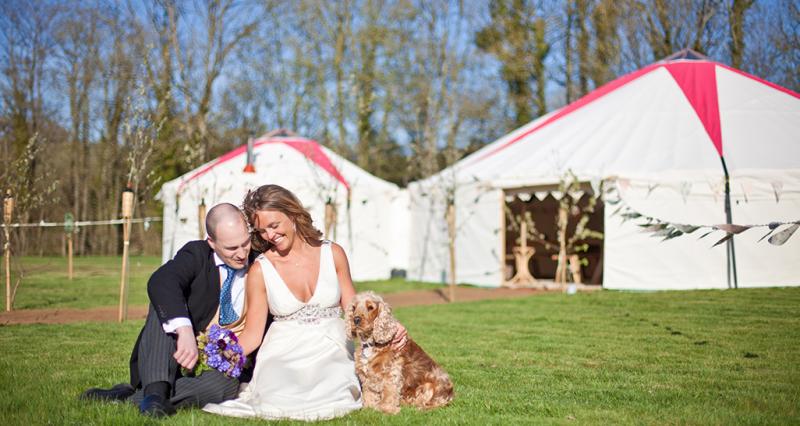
(157, 364)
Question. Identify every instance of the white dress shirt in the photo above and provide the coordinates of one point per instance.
(237, 295)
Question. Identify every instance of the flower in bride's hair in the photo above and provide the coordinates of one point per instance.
(220, 350)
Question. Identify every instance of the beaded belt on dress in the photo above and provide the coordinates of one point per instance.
(311, 314)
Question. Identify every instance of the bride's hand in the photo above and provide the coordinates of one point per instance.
(400, 337)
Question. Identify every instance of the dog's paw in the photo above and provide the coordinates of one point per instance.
(389, 409)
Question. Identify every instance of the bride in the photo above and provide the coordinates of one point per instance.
(304, 369)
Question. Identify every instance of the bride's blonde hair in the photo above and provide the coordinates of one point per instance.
(278, 198)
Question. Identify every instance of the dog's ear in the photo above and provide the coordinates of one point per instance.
(349, 331)
(384, 327)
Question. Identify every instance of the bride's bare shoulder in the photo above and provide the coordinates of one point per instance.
(254, 270)
(339, 254)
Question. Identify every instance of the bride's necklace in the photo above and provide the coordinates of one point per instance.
(297, 263)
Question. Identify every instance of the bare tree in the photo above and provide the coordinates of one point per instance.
(516, 36)
(117, 78)
(605, 20)
(154, 43)
(772, 48)
(568, 49)
(674, 25)
(27, 37)
(78, 55)
(584, 61)
(369, 38)
(228, 24)
(736, 18)
(26, 34)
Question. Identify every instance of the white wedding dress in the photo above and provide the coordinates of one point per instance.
(304, 368)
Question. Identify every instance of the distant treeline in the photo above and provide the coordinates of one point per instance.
(97, 94)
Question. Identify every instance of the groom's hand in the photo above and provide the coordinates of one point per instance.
(186, 353)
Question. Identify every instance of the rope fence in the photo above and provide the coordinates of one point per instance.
(145, 220)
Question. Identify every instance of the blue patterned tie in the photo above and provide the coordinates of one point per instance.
(226, 313)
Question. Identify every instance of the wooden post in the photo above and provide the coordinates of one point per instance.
(561, 268)
(575, 268)
(69, 228)
(522, 255)
(451, 230)
(69, 256)
(502, 248)
(201, 218)
(8, 211)
(127, 211)
(330, 220)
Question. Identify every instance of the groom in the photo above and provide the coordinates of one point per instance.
(185, 294)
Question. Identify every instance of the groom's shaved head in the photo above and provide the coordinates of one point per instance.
(224, 213)
(228, 235)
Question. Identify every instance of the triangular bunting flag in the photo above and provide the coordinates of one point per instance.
(746, 189)
(595, 184)
(576, 195)
(777, 188)
(686, 189)
(651, 187)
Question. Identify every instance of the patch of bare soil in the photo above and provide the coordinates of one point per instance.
(65, 316)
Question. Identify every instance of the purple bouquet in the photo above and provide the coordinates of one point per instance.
(220, 350)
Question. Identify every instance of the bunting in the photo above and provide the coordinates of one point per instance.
(777, 187)
(777, 232)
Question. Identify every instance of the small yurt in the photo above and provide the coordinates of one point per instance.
(349, 205)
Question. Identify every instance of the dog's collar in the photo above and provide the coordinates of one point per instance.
(372, 344)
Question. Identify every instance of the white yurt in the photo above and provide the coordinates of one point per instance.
(358, 208)
(662, 140)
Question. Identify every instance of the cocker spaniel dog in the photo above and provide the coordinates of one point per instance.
(388, 376)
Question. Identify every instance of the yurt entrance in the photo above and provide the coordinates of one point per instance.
(556, 224)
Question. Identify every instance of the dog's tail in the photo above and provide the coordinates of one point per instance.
(446, 396)
(443, 394)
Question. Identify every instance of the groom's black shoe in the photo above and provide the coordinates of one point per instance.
(156, 406)
(119, 392)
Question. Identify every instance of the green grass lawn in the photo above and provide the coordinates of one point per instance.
(693, 357)
(45, 284)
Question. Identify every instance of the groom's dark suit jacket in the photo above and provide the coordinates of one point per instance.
(186, 286)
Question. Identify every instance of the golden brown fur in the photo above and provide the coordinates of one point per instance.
(389, 377)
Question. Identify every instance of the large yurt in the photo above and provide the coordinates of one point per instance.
(663, 142)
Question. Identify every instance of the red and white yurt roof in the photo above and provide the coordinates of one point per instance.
(282, 160)
(671, 117)
(308, 148)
